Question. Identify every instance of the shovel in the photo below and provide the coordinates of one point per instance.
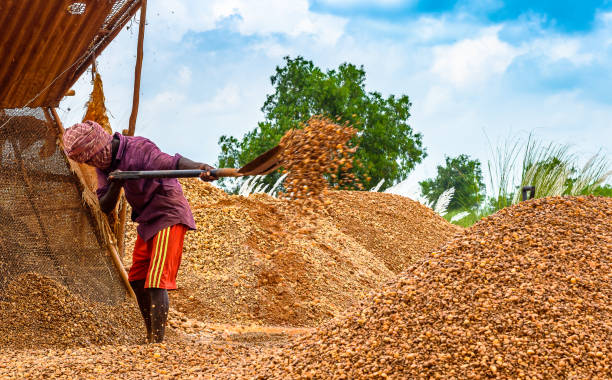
(263, 164)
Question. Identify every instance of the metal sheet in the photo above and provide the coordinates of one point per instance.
(46, 45)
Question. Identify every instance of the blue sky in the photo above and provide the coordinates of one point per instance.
(477, 71)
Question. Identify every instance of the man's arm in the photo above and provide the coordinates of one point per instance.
(185, 163)
(110, 198)
(154, 159)
(108, 201)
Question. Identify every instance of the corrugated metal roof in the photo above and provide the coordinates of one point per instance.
(45, 45)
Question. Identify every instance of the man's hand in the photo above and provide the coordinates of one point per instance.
(206, 176)
(185, 163)
(109, 200)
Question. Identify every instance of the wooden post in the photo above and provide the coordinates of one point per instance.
(138, 69)
(59, 125)
(122, 213)
(132, 124)
(122, 272)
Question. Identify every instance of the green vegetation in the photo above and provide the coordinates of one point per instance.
(388, 147)
(552, 168)
(471, 218)
(461, 173)
(603, 191)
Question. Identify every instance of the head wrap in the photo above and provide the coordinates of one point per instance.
(89, 143)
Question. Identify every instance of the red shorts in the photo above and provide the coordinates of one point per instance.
(157, 261)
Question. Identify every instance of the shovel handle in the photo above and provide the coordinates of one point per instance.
(123, 175)
(225, 172)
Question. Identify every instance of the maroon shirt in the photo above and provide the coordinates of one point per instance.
(156, 203)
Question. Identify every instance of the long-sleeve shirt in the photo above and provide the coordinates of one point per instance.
(156, 203)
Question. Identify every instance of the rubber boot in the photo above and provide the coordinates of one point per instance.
(144, 304)
(159, 313)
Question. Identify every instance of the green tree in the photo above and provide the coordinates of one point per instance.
(388, 147)
(462, 173)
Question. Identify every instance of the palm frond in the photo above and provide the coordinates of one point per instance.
(277, 184)
(378, 186)
(459, 216)
(443, 201)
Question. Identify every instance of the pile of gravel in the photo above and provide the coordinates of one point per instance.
(525, 293)
(38, 312)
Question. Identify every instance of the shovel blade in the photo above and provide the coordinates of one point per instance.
(263, 164)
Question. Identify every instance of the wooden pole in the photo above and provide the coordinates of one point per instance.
(133, 115)
(138, 69)
(122, 272)
(122, 215)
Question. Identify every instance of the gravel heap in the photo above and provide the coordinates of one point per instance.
(193, 360)
(37, 312)
(258, 260)
(253, 260)
(525, 293)
(388, 224)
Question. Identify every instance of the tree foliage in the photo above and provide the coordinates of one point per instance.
(388, 147)
(462, 173)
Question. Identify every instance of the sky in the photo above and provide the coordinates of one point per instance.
(478, 72)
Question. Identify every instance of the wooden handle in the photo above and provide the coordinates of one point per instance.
(225, 172)
(121, 270)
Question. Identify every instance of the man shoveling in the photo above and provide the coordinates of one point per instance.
(158, 206)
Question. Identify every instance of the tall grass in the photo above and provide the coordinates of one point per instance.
(547, 167)
(502, 168)
(552, 168)
(594, 173)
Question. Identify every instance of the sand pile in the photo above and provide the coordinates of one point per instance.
(253, 260)
(258, 260)
(37, 312)
(525, 293)
(396, 229)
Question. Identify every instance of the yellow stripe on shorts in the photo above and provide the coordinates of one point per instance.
(155, 258)
(163, 260)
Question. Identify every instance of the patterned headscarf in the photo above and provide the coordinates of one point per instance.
(88, 143)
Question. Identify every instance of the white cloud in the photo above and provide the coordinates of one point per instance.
(273, 49)
(473, 60)
(562, 48)
(184, 75)
(293, 18)
(228, 97)
(171, 19)
(377, 3)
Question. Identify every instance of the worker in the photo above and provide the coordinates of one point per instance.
(158, 206)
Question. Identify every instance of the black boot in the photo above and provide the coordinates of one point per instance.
(144, 304)
(159, 313)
